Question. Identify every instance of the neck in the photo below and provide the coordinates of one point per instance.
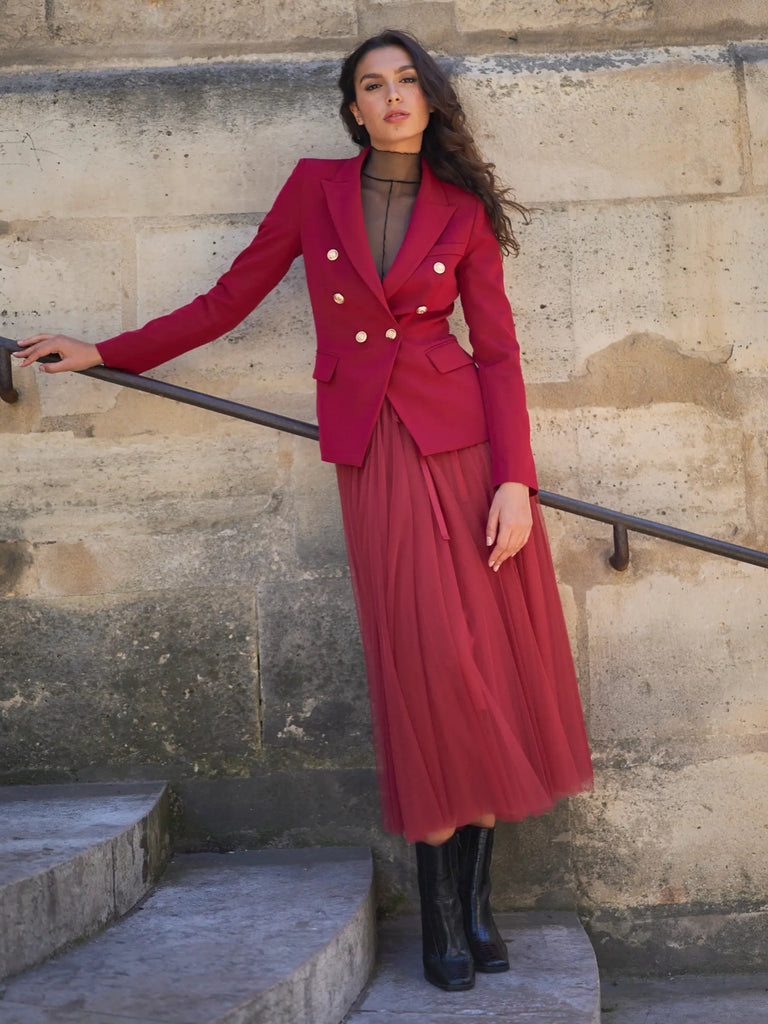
(383, 163)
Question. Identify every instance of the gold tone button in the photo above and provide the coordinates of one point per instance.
(421, 309)
(332, 254)
(391, 333)
(439, 268)
(361, 336)
(338, 298)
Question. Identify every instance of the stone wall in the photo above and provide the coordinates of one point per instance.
(99, 31)
(175, 599)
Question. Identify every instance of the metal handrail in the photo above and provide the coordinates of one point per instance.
(620, 521)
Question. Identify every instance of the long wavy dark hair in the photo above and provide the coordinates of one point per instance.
(447, 146)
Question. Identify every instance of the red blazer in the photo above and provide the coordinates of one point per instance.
(376, 338)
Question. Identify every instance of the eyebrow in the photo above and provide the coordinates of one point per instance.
(376, 74)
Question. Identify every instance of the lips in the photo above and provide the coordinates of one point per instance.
(397, 115)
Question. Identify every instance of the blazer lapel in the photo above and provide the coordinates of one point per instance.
(345, 206)
(431, 213)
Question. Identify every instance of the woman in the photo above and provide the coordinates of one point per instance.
(475, 705)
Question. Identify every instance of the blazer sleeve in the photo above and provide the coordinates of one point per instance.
(496, 352)
(254, 273)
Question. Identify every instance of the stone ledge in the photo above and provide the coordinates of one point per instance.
(72, 859)
(680, 940)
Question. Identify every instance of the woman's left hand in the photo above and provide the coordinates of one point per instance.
(509, 522)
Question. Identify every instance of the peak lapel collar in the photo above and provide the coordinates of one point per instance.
(345, 206)
(431, 213)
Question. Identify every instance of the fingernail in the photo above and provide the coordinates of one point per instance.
(489, 541)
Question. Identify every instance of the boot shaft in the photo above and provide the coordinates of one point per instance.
(475, 853)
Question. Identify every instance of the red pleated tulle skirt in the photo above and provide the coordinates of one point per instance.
(474, 698)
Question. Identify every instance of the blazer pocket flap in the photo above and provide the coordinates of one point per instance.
(449, 355)
(325, 366)
(447, 249)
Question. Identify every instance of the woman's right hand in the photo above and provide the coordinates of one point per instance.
(74, 354)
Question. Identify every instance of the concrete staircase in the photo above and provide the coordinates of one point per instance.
(258, 937)
(272, 935)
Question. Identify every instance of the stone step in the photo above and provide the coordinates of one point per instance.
(553, 978)
(73, 858)
(260, 937)
(687, 999)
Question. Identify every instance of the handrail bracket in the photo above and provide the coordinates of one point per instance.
(8, 392)
(620, 557)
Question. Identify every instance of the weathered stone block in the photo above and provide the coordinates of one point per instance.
(179, 141)
(643, 370)
(554, 439)
(546, 15)
(673, 939)
(675, 661)
(274, 347)
(93, 687)
(619, 126)
(97, 21)
(689, 272)
(429, 20)
(318, 524)
(648, 462)
(756, 78)
(483, 15)
(68, 287)
(639, 20)
(281, 807)
(739, 15)
(22, 24)
(533, 866)
(76, 487)
(312, 671)
(654, 836)
(539, 287)
(237, 554)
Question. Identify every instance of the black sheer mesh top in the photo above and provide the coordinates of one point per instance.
(390, 183)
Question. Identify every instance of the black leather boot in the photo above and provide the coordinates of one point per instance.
(447, 958)
(489, 950)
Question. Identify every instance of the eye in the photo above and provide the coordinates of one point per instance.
(371, 86)
(409, 80)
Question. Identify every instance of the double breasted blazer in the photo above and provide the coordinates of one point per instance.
(375, 338)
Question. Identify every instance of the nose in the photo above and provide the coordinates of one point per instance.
(394, 95)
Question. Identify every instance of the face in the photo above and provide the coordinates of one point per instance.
(389, 100)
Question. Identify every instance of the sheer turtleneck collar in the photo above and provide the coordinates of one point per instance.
(390, 166)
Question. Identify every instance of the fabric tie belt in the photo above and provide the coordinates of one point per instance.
(434, 500)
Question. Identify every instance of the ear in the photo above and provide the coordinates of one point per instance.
(356, 112)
